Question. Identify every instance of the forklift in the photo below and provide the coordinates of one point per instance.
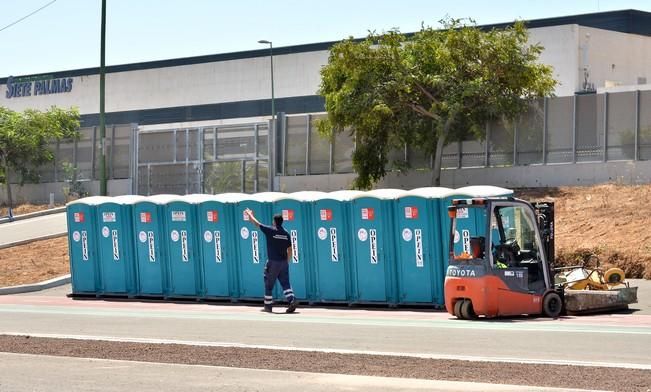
(501, 255)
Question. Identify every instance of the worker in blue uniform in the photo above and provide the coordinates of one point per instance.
(279, 249)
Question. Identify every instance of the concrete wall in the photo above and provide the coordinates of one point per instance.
(560, 45)
(40, 193)
(580, 174)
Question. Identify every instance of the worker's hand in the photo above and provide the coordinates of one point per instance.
(249, 213)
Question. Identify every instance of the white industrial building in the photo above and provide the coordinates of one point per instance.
(178, 125)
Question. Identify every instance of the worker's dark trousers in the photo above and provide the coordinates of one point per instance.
(276, 269)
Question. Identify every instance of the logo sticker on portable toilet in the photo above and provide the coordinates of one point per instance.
(322, 233)
(334, 251)
(184, 246)
(152, 247)
(406, 234)
(294, 238)
(373, 236)
(368, 214)
(174, 235)
(116, 246)
(411, 212)
(462, 213)
(207, 236)
(142, 236)
(244, 232)
(212, 216)
(76, 236)
(106, 232)
(218, 247)
(362, 235)
(178, 216)
(108, 217)
(145, 217)
(326, 215)
(418, 239)
(79, 217)
(245, 216)
(288, 215)
(255, 252)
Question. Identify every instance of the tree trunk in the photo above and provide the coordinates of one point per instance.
(9, 197)
(438, 156)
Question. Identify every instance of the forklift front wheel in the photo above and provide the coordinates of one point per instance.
(457, 308)
(467, 311)
(552, 305)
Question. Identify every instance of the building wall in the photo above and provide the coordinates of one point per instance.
(560, 45)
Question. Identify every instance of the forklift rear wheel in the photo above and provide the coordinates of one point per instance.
(457, 308)
(467, 311)
(552, 305)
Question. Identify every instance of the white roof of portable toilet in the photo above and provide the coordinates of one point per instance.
(482, 191)
(270, 196)
(197, 198)
(128, 199)
(232, 197)
(92, 200)
(384, 194)
(344, 195)
(163, 199)
(308, 195)
(433, 192)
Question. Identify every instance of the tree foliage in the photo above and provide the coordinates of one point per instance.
(427, 90)
(24, 137)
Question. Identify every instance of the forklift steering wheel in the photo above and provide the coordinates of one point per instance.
(507, 252)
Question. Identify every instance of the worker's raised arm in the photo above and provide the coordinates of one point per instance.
(249, 213)
(290, 251)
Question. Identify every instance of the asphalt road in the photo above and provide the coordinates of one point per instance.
(33, 228)
(619, 339)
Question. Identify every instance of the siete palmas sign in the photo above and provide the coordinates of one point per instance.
(44, 85)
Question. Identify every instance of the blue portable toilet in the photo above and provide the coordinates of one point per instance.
(250, 246)
(82, 244)
(218, 251)
(182, 253)
(115, 245)
(148, 218)
(372, 222)
(419, 258)
(469, 220)
(332, 256)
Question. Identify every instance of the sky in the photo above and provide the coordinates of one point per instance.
(66, 34)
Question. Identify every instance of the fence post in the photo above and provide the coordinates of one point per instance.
(605, 156)
(515, 143)
(487, 144)
(574, 128)
(544, 135)
(637, 125)
(308, 130)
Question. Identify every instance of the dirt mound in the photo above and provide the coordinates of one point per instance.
(24, 209)
(609, 224)
(34, 262)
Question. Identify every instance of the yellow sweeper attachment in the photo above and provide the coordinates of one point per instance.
(589, 290)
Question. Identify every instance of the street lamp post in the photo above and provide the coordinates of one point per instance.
(273, 106)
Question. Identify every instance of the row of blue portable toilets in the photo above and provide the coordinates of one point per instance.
(384, 246)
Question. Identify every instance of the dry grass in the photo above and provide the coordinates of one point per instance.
(34, 262)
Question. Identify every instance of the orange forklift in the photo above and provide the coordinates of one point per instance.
(501, 252)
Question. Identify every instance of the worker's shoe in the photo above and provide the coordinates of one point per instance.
(292, 306)
(267, 309)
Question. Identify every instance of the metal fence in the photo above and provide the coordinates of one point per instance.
(217, 159)
(558, 130)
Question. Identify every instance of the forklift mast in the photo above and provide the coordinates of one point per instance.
(545, 214)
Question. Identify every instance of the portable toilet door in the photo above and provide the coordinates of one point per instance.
(296, 212)
(148, 217)
(82, 245)
(184, 264)
(115, 246)
(251, 247)
(217, 250)
(419, 251)
(372, 219)
(333, 260)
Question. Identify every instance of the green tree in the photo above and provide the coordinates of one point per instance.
(24, 137)
(427, 90)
